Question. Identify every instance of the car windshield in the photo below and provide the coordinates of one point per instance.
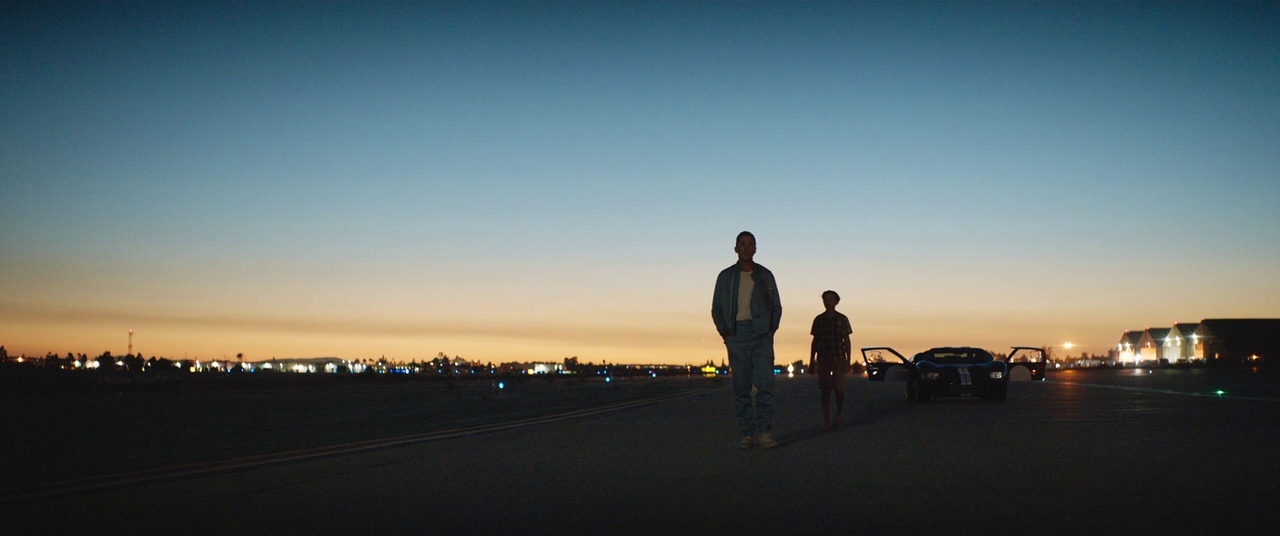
(955, 356)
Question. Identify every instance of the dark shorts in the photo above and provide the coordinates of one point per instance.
(830, 376)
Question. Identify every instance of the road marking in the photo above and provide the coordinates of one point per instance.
(1168, 391)
(147, 476)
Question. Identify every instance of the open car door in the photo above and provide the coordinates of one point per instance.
(1027, 359)
(886, 364)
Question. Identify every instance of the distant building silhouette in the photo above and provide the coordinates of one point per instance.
(1152, 345)
(1128, 349)
(1239, 340)
(1182, 339)
(1213, 341)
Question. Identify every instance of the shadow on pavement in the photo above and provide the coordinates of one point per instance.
(799, 436)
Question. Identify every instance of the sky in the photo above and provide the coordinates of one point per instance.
(534, 181)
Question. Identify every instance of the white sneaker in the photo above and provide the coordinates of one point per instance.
(766, 441)
(747, 442)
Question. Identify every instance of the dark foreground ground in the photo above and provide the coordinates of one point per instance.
(1097, 452)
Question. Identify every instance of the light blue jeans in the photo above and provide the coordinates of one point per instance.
(751, 361)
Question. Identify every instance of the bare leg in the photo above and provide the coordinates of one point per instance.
(826, 409)
(839, 402)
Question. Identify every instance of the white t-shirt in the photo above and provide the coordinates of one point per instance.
(745, 286)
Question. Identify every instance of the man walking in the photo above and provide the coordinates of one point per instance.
(747, 310)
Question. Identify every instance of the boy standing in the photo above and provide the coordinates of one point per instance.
(829, 356)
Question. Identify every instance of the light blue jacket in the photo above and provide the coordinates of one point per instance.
(766, 306)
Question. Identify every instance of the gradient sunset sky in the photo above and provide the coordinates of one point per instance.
(532, 181)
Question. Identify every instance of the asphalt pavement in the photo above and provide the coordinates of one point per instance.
(1097, 452)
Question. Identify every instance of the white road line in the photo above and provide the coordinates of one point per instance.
(1225, 396)
(94, 483)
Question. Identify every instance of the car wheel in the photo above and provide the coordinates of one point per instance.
(922, 392)
(1000, 392)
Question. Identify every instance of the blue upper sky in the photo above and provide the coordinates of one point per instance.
(1034, 172)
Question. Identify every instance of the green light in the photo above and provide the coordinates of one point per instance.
(1220, 392)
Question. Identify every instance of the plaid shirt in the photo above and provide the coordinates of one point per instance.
(830, 331)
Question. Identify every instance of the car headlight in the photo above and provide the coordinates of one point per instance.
(996, 375)
(931, 375)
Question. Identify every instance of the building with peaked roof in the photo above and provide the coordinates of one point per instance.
(1238, 340)
(1180, 346)
(1127, 350)
(1151, 345)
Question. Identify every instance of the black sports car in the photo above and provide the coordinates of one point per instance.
(954, 371)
